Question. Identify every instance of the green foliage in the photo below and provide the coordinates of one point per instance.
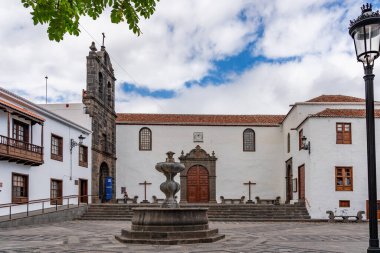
(62, 16)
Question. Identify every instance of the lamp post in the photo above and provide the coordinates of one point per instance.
(72, 145)
(306, 146)
(365, 31)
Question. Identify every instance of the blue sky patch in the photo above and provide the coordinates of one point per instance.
(235, 65)
(146, 92)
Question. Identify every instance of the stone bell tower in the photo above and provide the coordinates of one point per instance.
(99, 99)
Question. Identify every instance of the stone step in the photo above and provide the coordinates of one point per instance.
(169, 235)
(261, 220)
(211, 209)
(106, 218)
(216, 212)
(170, 241)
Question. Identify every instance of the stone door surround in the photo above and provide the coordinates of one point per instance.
(198, 156)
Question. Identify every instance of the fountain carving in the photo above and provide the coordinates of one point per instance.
(170, 187)
(170, 223)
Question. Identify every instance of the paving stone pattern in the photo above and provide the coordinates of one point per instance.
(241, 237)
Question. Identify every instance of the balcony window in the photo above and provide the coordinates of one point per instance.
(343, 133)
(83, 156)
(19, 188)
(56, 192)
(20, 131)
(56, 147)
(343, 179)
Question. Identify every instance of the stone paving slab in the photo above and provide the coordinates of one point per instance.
(241, 237)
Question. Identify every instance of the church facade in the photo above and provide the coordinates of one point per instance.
(314, 155)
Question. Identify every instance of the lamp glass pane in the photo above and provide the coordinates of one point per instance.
(367, 41)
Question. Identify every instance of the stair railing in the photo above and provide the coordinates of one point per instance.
(307, 203)
(54, 203)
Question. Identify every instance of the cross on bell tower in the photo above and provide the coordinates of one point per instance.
(103, 48)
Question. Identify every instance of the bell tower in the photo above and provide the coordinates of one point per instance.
(99, 99)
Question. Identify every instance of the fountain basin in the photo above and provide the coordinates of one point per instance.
(169, 226)
(169, 216)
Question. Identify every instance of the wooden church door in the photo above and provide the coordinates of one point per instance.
(301, 182)
(197, 184)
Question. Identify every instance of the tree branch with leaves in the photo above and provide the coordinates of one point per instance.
(62, 16)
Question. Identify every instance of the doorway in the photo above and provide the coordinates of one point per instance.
(103, 173)
(83, 191)
(288, 179)
(197, 184)
(301, 183)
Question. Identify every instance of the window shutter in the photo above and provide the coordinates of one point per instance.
(60, 146)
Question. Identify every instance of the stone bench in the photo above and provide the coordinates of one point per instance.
(345, 218)
(232, 201)
(126, 200)
(157, 200)
(275, 201)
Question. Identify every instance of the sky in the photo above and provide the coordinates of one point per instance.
(195, 56)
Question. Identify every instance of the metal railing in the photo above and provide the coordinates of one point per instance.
(20, 144)
(78, 199)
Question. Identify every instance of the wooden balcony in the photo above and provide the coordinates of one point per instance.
(20, 152)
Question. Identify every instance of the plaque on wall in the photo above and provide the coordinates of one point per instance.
(198, 136)
(294, 184)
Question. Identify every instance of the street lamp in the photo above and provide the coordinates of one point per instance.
(305, 146)
(73, 144)
(365, 31)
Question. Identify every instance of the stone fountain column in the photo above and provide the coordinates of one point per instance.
(170, 187)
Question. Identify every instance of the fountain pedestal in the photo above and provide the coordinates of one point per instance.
(169, 224)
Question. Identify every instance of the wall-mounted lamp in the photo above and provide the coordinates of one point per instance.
(74, 143)
(305, 146)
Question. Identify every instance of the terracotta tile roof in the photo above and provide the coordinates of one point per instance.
(191, 119)
(344, 113)
(335, 99)
(21, 110)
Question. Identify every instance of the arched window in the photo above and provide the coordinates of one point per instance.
(109, 94)
(100, 83)
(288, 142)
(145, 139)
(249, 140)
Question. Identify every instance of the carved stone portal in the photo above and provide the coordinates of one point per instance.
(198, 156)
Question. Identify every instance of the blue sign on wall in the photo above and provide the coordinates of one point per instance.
(108, 188)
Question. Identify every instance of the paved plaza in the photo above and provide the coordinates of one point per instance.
(98, 236)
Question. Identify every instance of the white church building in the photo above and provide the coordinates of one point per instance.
(325, 171)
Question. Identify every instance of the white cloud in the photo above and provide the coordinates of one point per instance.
(180, 42)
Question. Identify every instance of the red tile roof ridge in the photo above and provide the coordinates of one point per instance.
(346, 113)
(335, 99)
(193, 114)
(199, 118)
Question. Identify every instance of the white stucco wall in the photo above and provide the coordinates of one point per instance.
(326, 155)
(233, 167)
(75, 112)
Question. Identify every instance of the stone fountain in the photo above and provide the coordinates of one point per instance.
(170, 223)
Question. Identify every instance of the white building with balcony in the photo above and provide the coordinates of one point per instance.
(41, 155)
